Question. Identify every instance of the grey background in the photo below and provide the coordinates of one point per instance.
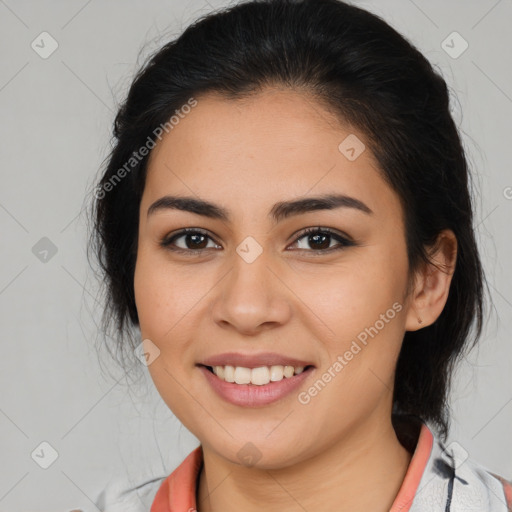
(55, 127)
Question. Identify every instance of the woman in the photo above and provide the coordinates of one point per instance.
(286, 218)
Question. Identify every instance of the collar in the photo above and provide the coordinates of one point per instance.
(438, 478)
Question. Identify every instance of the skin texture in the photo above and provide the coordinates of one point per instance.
(339, 451)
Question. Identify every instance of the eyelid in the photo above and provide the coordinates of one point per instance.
(321, 229)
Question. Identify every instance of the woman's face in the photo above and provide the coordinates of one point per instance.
(253, 291)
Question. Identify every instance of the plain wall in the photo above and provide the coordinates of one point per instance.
(55, 128)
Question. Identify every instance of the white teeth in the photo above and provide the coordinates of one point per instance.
(242, 375)
(219, 371)
(260, 376)
(288, 371)
(276, 373)
(229, 373)
(257, 376)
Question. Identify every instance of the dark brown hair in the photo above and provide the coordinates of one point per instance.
(373, 78)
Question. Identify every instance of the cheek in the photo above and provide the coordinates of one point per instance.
(169, 301)
(161, 308)
(354, 296)
(160, 298)
(362, 306)
(150, 298)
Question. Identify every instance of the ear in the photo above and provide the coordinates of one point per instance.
(432, 283)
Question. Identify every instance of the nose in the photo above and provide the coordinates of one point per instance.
(251, 297)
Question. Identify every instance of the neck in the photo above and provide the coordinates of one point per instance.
(336, 479)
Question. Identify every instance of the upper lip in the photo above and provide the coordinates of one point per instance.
(253, 360)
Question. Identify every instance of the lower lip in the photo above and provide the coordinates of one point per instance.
(251, 395)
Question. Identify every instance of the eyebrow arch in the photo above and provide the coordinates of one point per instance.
(278, 212)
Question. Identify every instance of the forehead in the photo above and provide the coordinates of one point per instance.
(273, 145)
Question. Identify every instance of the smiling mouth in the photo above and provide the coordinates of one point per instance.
(256, 376)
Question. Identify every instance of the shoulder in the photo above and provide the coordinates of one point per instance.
(151, 493)
(454, 481)
(507, 489)
(124, 495)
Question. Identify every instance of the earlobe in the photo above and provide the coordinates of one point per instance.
(433, 283)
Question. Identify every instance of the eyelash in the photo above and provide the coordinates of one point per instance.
(343, 241)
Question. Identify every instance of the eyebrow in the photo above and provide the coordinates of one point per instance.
(281, 210)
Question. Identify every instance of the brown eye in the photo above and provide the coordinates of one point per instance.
(190, 240)
(320, 239)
